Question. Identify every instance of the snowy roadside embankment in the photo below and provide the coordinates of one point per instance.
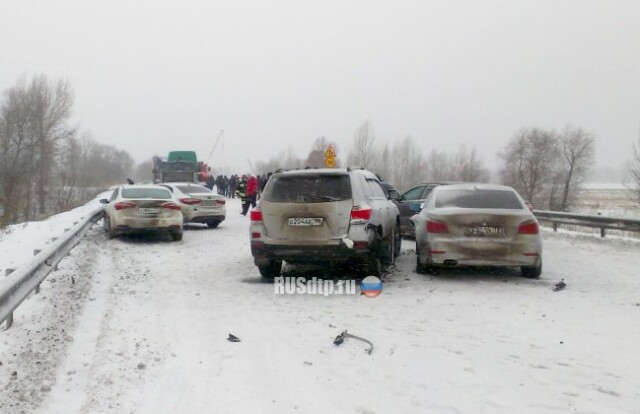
(18, 241)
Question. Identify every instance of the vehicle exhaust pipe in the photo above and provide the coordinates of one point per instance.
(450, 262)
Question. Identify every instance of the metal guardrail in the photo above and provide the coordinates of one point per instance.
(585, 220)
(26, 279)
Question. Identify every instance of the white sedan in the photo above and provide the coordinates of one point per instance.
(198, 203)
(134, 208)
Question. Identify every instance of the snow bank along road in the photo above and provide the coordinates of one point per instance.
(143, 330)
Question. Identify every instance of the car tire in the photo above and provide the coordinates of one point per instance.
(532, 272)
(398, 240)
(176, 236)
(373, 266)
(420, 268)
(271, 270)
(106, 223)
(389, 246)
(213, 224)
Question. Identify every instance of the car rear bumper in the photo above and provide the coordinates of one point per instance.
(480, 253)
(263, 252)
(206, 218)
(157, 223)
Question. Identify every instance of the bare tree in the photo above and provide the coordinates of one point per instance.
(408, 166)
(363, 151)
(577, 158)
(468, 166)
(633, 167)
(529, 161)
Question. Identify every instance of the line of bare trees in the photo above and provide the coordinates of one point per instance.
(45, 167)
(547, 168)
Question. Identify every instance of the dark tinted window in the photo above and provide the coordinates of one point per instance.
(478, 199)
(413, 194)
(191, 189)
(156, 193)
(308, 188)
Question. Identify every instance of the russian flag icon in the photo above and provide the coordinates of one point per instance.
(371, 286)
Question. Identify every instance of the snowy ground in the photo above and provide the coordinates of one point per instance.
(143, 330)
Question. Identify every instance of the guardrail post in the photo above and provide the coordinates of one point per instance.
(602, 232)
(35, 253)
(9, 320)
(555, 227)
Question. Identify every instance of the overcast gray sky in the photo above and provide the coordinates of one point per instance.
(151, 76)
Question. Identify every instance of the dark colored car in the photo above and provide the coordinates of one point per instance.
(410, 201)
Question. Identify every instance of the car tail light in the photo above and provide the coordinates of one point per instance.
(528, 227)
(255, 235)
(124, 204)
(190, 201)
(221, 202)
(360, 215)
(436, 227)
(171, 206)
(255, 215)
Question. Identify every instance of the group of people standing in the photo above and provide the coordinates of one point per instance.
(246, 187)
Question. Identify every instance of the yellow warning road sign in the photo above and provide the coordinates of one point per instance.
(330, 152)
(330, 162)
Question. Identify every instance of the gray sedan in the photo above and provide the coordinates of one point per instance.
(477, 225)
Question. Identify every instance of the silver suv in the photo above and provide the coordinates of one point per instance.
(324, 216)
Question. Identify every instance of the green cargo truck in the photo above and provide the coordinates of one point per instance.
(180, 166)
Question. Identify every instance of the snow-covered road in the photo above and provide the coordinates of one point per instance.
(143, 330)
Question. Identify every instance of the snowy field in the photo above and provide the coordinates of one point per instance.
(142, 328)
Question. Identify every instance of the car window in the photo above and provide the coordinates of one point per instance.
(193, 189)
(377, 190)
(413, 194)
(308, 188)
(114, 195)
(167, 187)
(503, 199)
(155, 193)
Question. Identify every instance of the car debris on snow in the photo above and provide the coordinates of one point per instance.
(559, 286)
(344, 335)
(233, 338)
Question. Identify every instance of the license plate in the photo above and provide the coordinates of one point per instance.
(484, 231)
(305, 221)
(146, 210)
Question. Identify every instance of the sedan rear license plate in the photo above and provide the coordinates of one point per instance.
(146, 210)
(305, 221)
(484, 231)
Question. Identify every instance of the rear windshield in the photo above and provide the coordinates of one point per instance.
(192, 189)
(308, 188)
(503, 199)
(155, 193)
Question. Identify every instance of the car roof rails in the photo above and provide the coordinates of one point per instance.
(355, 167)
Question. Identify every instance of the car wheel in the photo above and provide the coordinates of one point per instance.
(176, 236)
(373, 266)
(388, 247)
(532, 272)
(398, 245)
(106, 223)
(271, 270)
(420, 268)
(213, 224)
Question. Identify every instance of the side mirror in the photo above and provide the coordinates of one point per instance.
(104, 201)
(393, 195)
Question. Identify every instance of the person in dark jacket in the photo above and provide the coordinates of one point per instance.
(241, 192)
(210, 182)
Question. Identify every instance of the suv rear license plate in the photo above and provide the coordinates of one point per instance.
(304, 221)
(484, 231)
(146, 210)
